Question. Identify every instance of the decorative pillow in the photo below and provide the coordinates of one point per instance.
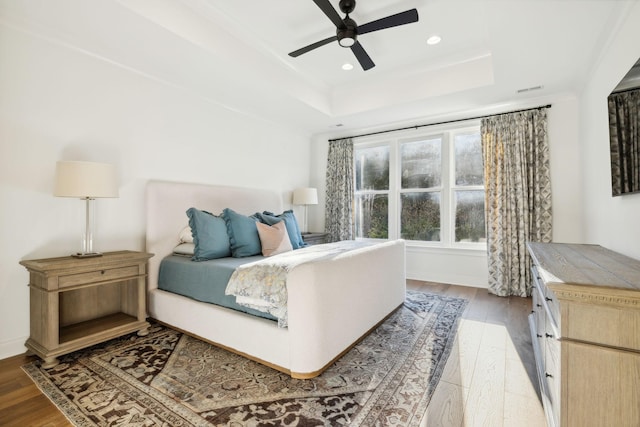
(274, 238)
(243, 234)
(209, 235)
(290, 221)
(186, 236)
(185, 249)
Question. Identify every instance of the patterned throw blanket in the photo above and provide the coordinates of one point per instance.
(262, 285)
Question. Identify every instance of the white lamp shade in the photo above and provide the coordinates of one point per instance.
(85, 180)
(305, 196)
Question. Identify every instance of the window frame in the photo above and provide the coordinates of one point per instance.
(388, 192)
(447, 188)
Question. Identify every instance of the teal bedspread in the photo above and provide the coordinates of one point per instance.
(204, 281)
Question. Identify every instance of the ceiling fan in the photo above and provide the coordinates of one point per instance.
(347, 30)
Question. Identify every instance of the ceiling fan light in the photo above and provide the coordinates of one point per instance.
(347, 42)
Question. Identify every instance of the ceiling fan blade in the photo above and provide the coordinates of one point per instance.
(312, 46)
(331, 13)
(362, 56)
(402, 18)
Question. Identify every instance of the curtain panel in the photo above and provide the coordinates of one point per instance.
(624, 135)
(517, 196)
(339, 222)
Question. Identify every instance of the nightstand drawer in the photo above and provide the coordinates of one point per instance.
(97, 276)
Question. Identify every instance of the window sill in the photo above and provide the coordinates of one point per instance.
(480, 251)
(438, 245)
(415, 246)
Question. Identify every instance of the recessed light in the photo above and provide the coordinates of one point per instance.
(434, 40)
(347, 67)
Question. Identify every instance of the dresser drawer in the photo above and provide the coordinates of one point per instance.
(549, 301)
(553, 306)
(97, 276)
(539, 316)
(553, 373)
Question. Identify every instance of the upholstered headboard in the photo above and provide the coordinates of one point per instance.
(167, 203)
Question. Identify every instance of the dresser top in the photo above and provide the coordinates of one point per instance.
(579, 264)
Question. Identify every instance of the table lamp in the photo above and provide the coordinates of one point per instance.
(305, 196)
(87, 181)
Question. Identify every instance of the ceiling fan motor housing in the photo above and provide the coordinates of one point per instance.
(347, 36)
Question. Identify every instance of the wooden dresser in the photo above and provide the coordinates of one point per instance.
(585, 328)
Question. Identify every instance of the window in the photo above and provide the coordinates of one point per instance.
(428, 187)
(372, 192)
(468, 188)
(421, 189)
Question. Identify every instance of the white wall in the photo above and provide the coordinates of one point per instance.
(469, 267)
(564, 147)
(612, 222)
(59, 103)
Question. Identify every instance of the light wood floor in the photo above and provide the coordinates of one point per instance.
(489, 379)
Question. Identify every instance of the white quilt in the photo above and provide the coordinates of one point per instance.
(262, 285)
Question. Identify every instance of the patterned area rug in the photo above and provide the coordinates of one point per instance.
(171, 379)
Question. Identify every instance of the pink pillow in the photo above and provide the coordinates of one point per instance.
(274, 238)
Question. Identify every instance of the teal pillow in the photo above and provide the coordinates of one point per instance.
(243, 234)
(289, 221)
(209, 235)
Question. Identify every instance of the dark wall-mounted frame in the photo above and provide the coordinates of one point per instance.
(624, 133)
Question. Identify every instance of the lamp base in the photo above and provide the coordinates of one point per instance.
(86, 255)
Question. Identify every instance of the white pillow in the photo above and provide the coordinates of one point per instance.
(185, 249)
(185, 235)
(274, 238)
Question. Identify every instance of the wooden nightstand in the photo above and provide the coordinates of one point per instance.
(79, 302)
(314, 238)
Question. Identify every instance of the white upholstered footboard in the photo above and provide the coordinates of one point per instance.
(331, 303)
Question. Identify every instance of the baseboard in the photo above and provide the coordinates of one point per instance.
(12, 347)
(450, 279)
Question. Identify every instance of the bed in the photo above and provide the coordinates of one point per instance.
(332, 303)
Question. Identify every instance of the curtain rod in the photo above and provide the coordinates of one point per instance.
(442, 123)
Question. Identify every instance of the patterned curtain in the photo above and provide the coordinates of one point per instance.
(624, 133)
(517, 196)
(340, 195)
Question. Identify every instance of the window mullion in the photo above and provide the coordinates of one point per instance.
(445, 195)
(393, 212)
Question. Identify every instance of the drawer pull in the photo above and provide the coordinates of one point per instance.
(548, 335)
(548, 375)
(102, 272)
(539, 336)
(539, 305)
(547, 299)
